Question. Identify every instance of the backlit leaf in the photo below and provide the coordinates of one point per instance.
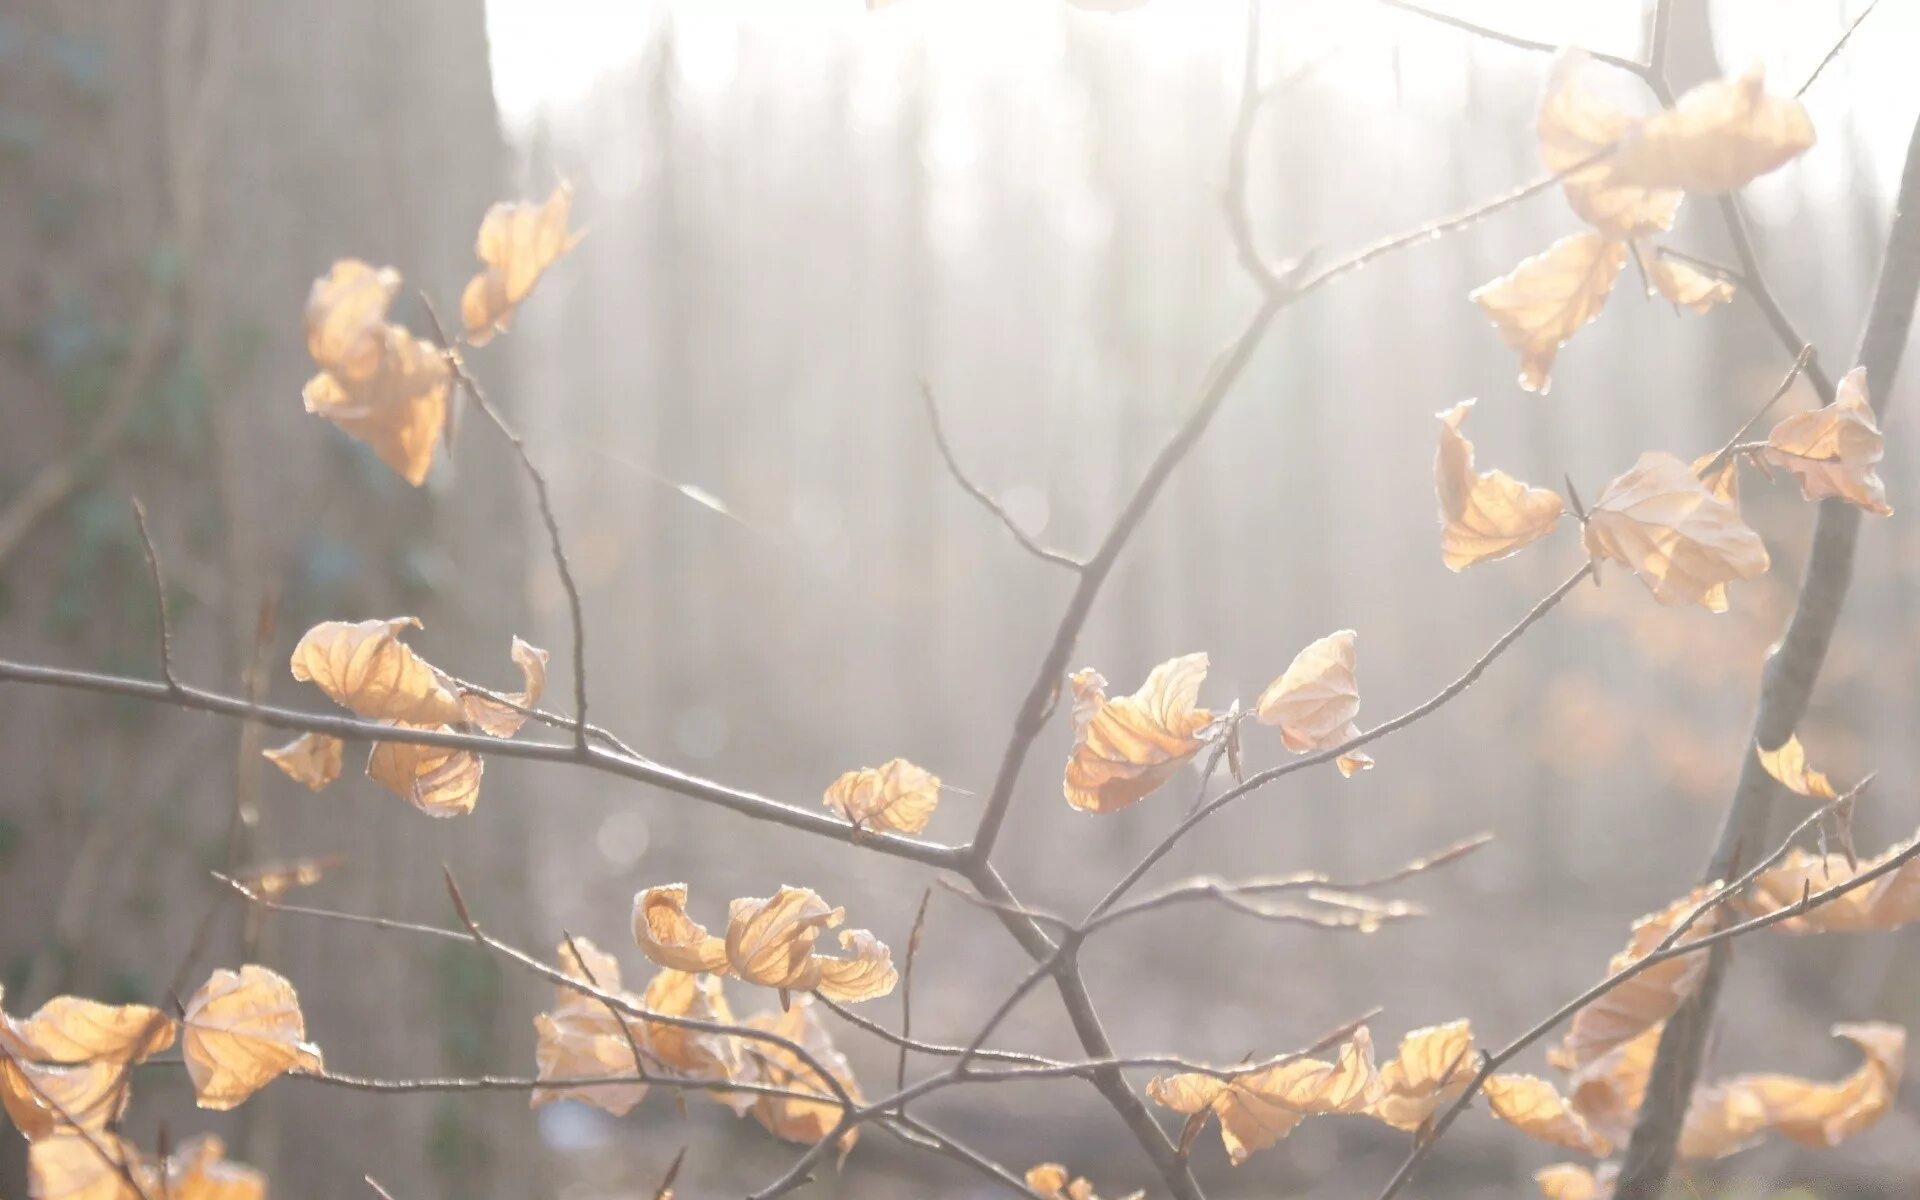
(1726, 1116)
(1257, 1109)
(1125, 748)
(517, 242)
(1719, 136)
(73, 1167)
(312, 759)
(1547, 298)
(1574, 126)
(1484, 515)
(1889, 902)
(580, 1037)
(1788, 764)
(895, 796)
(200, 1170)
(365, 666)
(72, 1029)
(770, 942)
(1833, 450)
(377, 382)
(504, 720)
(241, 1030)
(1534, 1107)
(1433, 1067)
(1646, 999)
(668, 936)
(1571, 1181)
(438, 781)
(1314, 701)
(799, 1119)
(1684, 542)
(1684, 284)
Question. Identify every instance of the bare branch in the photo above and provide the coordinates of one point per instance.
(967, 485)
(159, 581)
(1507, 39)
(1834, 52)
(906, 988)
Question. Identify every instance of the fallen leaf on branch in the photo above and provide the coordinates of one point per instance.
(1484, 515)
(365, 667)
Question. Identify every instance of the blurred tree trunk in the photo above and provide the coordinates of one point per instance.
(193, 167)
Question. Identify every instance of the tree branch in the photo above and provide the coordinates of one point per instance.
(967, 485)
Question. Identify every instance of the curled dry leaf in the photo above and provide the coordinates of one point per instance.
(770, 941)
(43, 1100)
(1571, 1181)
(1547, 298)
(581, 1038)
(377, 382)
(1314, 702)
(434, 779)
(895, 796)
(242, 1029)
(1484, 515)
(690, 1052)
(1730, 1115)
(1683, 284)
(1649, 997)
(517, 242)
(1126, 748)
(796, 1118)
(72, 1029)
(312, 759)
(1054, 1182)
(1607, 1092)
(1719, 136)
(867, 973)
(1575, 125)
(1889, 902)
(669, 937)
(1788, 764)
(364, 666)
(1683, 541)
(1536, 1108)
(73, 1167)
(1833, 450)
(1257, 1109)
(504, 720)
(1433, 1067)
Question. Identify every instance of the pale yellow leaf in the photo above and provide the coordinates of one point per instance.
(796, 1118)
(1646, 999)
(1571, 1181)
(1891, 901)
(517, 242)
(1682, 283)
(770, 942)
(866, 973)
(1833, 450)
(72, 1029)
(896, 796)
(1728, 1115)
(1547, 298)
(1607, 1092)
(1534, 1107)
(1718, 137)
(1315, 700)
(669, 937)
(73, 1167)
(346, 317)
(1484, 515)
(438, 781)
(42, 1098)
(566, 1049)
(1433, 1067)
(365, 666)
(1574, 127)
(692, 1052)
(1684, 542)
(242, 1029)
(1257, 1109)
(1126, 748)
(312, 759)
(1788, 764)
(399, 410)
(504, 720)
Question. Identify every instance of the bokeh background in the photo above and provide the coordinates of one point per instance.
(796, 211)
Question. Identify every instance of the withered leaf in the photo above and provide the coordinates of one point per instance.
(1649, 997)
(200, 1170)
(1433, 1067)
(1682, 283)
(1684, 542)
(895, 796)
(364, 666)
(581, 1038)
(517, 242)
(312, 759)
(796, 1118)
(1257, 1109)
(241, 1030)
(771, 942)
(1788, 764)
(1719, 136)
(1727, 1116)
(1833, 450)
(1125, 748)
(1484, 515)
(438, 781)
(1571, 1181)
(1889, 902)
(44, 1099)
(377, 382)
(1547, 298)
(1574, 126)
(504, 720)
(1534, 1107)
(72, 1167)
(669, 937)
(1315, 700)
(72, 1029)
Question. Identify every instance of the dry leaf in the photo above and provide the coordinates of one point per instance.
(517, 243)
(434, 779)
(1833, 450)
(1683, 284)
(1256, 1110)
(689, 1051)
(199, 1170)
(1723, 480)
(312, 759)
(71, 1167)
(1484, 515)
(1788, 764)
(346, 317)
(43, 1098)
(1718, 137)
(865, 974)
(1729, 1115)
(1053, 1181)
(365, 666)
(71, 1029)
(1434, 1066)
(1534, 1107)
(895, 796)
(791, 1117)
(1547, 298)
(1126, 748)
(771, 942)
(1888, 903)
(1607, 1091)
(1649, 997)
(669, 937)
(504, 720)
(241, 1031)
(1314, 702)
(581, 1038)
(1575, 125)
(1570, 1181)
(271, 881)
(1685, 543)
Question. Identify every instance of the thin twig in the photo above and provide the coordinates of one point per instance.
(159, 581)
(1027, 542)
(955, 1149)
(586, 970)
(1733, 445)
(906, 989)
(665, 1190)
(1834, 51)
(1507, 39)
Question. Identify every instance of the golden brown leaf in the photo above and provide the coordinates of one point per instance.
(1257, 1109)
(581, 1038)
(691, 1052)
(1574, 126)
(669, 937)
(242, 1029)
(364, 666)
(312, 759)
(1833, 450)
(42, 1098)
(1788, 764)
(1571, 1181)
(1053, 1181)
(1534, 1107)
(1484, 515)
(199, 1170)
(1433, 1067)
(1720, 136)
(1646, 999)
(438, 781)
(1723, 481)
(73, 1167)
(399, 410)
(1682, 283)
(895, 796)
(1547, 298)
(1315, 700)
(1727, 1116)
(518, 241)
(1128, 747)
(1607, 1092)
(504, 720)
(770, 942)
(270, 881)
(1685, 543)
(71, 1029)
(1889, 902)
(795, 1118)
(346, 312)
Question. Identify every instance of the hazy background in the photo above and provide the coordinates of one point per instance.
(796, 210)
